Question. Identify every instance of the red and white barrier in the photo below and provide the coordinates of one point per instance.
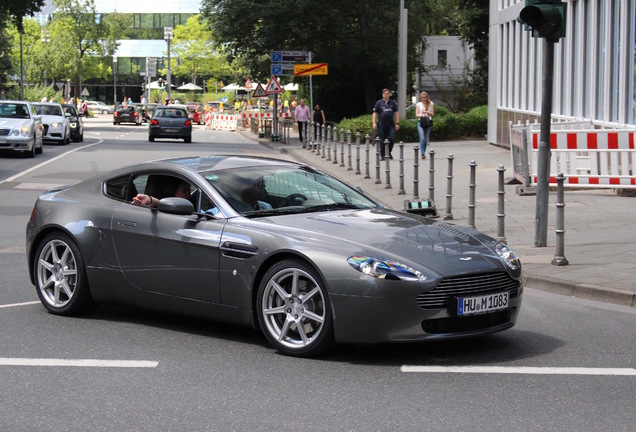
(587, 158)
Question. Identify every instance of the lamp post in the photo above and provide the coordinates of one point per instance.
(167, 35)
(115, 82)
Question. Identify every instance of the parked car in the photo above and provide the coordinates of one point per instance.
(271, 244)
(127, 114)
(77, 123)
(57, 127)
(100, 107)
(21, 128)
(171, 121)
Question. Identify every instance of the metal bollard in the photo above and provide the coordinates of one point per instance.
(416, 173)
(358, 153)
(449, 189)
(431, 175)
(367, 175)
(349, 167)
(323, 134)
(401, 174)
(342, 142)
(559, 257)
(377, 161)
(335, 145)
(500, 205)
(329, 142)
(471, 195)
(387, 170)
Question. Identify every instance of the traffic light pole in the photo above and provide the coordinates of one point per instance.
(543, 163)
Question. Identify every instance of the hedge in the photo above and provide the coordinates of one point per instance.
(446, 125)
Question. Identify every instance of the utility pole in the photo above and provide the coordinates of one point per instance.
(167, 35)
(402, 55)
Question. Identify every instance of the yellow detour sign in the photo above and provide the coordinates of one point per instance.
(310, 69)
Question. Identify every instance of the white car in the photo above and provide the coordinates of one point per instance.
(57, 126)
(20, 128)
(100, 107)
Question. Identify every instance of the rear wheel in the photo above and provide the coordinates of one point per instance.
(187, 140)
(60, 276)
(151, 139)
(293, 310)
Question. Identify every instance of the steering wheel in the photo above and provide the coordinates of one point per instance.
(294, 199)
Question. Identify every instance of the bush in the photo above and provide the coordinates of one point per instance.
(446, 125)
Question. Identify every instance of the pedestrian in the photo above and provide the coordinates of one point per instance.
(319, 120)
(302, 115)
(383, 113)
(424, 111)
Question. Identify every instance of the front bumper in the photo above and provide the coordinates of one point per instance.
(16, 143)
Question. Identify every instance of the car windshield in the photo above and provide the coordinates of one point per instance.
(171, 112)
(265, 191)
(126, 109)
(53, 110)
(70, 110)
(14, 110)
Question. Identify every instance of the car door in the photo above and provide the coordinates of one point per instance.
(170, 254)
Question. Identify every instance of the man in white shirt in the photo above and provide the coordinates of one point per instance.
(302, 114)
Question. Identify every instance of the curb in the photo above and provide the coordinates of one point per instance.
(583, 291)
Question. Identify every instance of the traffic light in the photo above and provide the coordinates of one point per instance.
(547, 18)
(143, 87)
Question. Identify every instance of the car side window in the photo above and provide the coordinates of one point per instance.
(121, 188)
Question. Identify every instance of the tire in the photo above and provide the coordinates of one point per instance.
(290, 293)
(104, 111)
(40, 149)
(151, 139)
(31, 153)
(60, 277)
(187, 140)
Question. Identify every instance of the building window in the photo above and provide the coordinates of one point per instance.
(442, 57)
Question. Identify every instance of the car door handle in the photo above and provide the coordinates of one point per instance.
(128, 223)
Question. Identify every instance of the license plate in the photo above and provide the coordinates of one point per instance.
(171, 130)
(481, 304)
(3, 141)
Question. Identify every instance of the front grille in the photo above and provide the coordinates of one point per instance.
(469, 285)
(46, 129)
(4, 132)
(464, 324)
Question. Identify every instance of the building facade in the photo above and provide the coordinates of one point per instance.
(593, 66)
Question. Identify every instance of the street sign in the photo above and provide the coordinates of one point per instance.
(286, 69)
(259, 92)
(310, 69)
(290, 56)
(248, 84)
(273, 86)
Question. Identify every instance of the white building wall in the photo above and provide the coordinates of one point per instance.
(458, 55)
(593, 66)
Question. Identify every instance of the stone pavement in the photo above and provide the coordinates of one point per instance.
(600, 225)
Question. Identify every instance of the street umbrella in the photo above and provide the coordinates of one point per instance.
(189, 87)
(231, 87)
(155, 85)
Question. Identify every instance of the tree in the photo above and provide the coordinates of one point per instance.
(357, 38)
(194, 48)
(18, 9)
(81, 36)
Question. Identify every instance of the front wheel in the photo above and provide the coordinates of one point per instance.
(293, 310)
(60, 276)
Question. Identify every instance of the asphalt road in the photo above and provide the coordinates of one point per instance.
(568, 364)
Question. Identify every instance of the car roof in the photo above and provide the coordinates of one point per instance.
(222, 162)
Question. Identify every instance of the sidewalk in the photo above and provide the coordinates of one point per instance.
(600, 238)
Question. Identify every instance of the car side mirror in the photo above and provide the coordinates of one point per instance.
(177, 206)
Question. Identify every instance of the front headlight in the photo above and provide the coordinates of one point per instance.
(56, 125)
(385, 269)
(507, 256)
(73, 125)
(24, 131)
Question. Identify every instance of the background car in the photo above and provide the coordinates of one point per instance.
(57, 127)
(77, 122)
(197, 112)
(171, 121)
(271, 244)
(100, 107)
(21, 128)
(143, 111)
(127, 114)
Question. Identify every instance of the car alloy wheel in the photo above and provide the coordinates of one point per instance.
(293, 310)
(60, 276)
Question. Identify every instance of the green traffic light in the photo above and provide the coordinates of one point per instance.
(547, 19)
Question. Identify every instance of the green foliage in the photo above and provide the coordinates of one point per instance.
(446, 125)
(35, 93)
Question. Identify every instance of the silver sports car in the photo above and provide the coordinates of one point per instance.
(271, 244)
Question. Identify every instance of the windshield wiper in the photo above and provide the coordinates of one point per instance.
(274, 212)
(333, 206)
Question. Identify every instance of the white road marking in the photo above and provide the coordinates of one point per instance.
(20, 304)
(48, 162)
(521, 370)
(78, 363)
